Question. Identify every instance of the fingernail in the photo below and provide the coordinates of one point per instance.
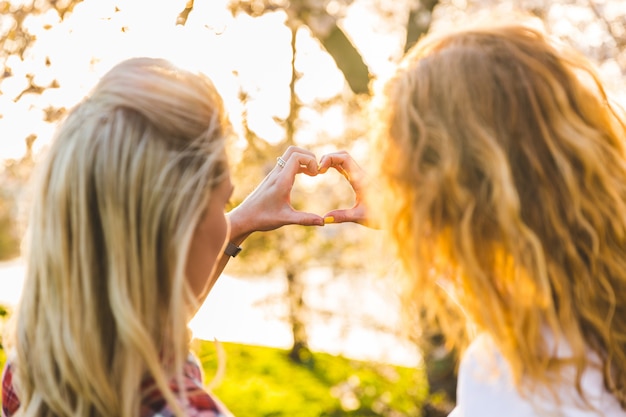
(329, 219)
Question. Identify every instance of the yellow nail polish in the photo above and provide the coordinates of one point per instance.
(329, 219)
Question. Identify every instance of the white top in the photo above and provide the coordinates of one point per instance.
(485, 389)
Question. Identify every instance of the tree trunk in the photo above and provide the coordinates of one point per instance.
(300, 352)
(441, 372)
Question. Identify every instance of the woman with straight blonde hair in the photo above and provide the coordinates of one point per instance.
(502, 169)
(126, 237)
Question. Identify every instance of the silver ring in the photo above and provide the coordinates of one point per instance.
(281, 162)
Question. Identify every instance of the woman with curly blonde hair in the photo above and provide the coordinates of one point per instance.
(126, 237)
(502, 168)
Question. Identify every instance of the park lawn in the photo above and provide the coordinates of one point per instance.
(3, 358)
(264, 382)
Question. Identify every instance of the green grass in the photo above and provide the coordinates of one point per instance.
(3, 357)
(4, 315)
(264, 382)
(261, 381)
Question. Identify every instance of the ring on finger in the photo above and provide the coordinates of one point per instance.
(281, 162)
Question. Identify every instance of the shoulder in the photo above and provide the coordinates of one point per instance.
(200, 403)
(485, 385)
(10, 402)
(486, 389)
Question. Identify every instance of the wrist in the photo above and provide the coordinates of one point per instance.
(239, 230)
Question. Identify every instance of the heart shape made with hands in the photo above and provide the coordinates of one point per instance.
(322, 193)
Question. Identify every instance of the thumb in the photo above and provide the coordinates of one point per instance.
(306, 219)
(344, 216)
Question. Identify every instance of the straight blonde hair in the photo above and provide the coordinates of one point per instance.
(503, 174)
(116, 200)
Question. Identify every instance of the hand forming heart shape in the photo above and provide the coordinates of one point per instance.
(269, 207)
(323, 193)
(336, 191)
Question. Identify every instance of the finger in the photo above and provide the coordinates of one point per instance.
(308, 166)
(305, 219)
(354, 215)
(296, 149)
(301, 163)
(345, 165)
(333, 159)
(343, 172)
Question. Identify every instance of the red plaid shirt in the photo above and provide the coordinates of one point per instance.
(199, 402)
(10, 402)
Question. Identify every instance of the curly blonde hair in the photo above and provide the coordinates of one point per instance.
(116, 200)
(503, 178)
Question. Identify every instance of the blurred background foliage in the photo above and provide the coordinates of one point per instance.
(341, 32)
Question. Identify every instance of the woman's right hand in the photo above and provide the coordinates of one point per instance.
(347, 166)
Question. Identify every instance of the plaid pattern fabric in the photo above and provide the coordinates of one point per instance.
(10, 402)
(199, 402)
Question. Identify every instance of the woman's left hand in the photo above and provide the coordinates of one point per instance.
(268, 207)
